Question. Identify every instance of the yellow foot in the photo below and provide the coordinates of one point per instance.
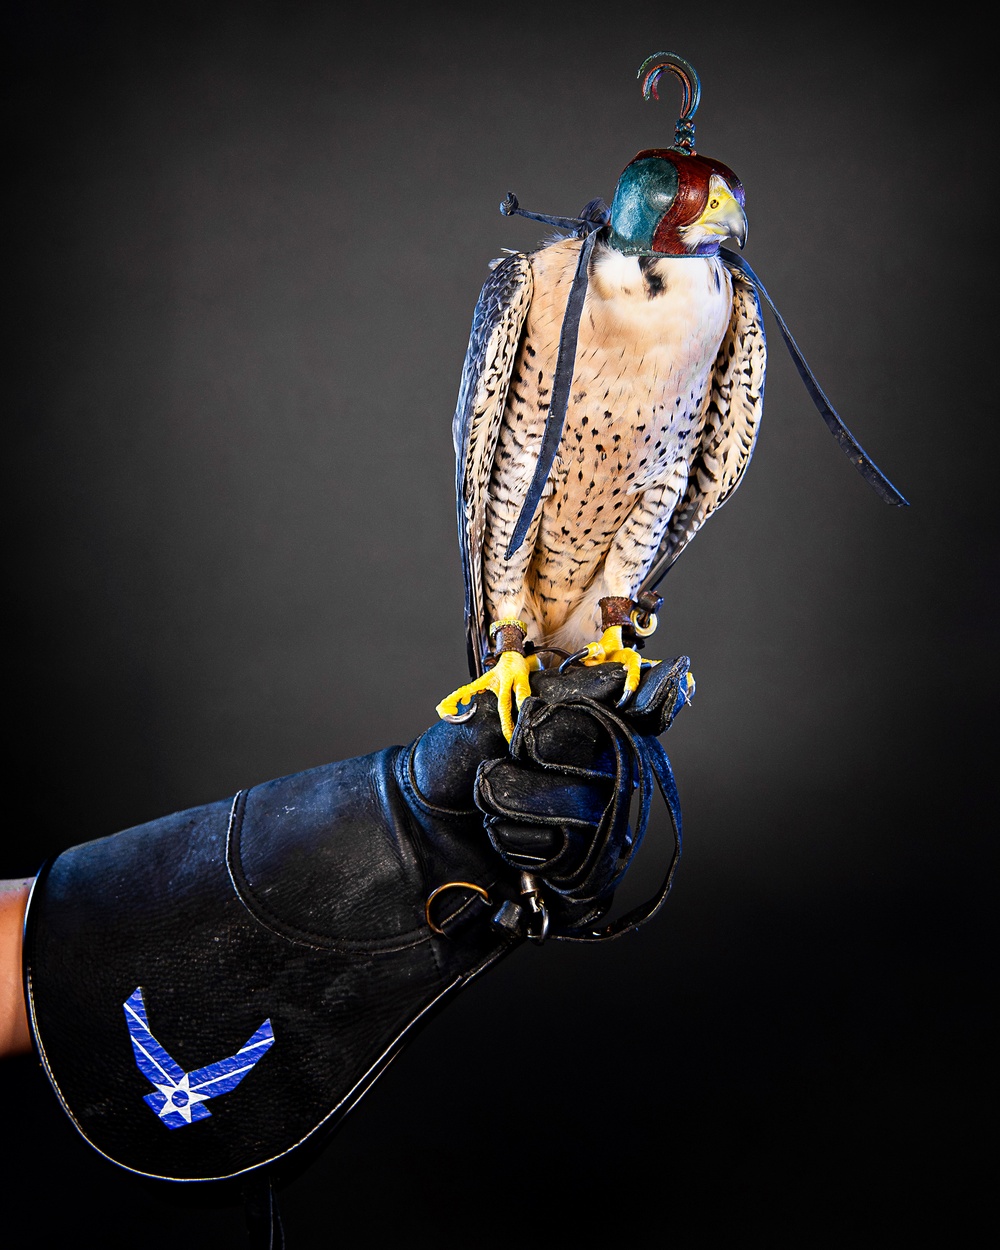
(610, 650)
(509, 677)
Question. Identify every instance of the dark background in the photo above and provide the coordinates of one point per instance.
(243, 247)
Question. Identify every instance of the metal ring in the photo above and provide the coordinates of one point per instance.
(643, 631)
(450, 885)
(536, 905)
(543, 933)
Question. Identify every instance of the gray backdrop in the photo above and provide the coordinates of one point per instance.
(244, 245)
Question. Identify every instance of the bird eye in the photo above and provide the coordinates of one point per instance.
(713, 203)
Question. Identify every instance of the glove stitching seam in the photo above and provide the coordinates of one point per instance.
(267, 919)
(410, 785)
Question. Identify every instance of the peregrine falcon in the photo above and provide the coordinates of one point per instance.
(609, 404)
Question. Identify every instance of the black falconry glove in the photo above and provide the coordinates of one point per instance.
(209, 991)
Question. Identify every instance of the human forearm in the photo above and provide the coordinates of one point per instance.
(14, 1036)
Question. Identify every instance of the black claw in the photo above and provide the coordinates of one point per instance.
(572, 659)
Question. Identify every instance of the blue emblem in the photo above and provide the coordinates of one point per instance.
(180, 1096)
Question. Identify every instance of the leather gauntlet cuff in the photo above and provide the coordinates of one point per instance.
(211, 990)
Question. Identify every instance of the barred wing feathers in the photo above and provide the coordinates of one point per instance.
(732, 417)
(496, 333)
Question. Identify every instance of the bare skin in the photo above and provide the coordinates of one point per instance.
(14, 1036)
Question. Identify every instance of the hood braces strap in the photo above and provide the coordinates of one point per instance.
(848, 444)
(593, 218)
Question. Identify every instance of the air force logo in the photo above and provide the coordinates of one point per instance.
(180, 1096)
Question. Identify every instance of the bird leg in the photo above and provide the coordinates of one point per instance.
(619, 617)
(507, 679)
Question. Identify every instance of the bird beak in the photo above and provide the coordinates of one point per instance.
(724, 216)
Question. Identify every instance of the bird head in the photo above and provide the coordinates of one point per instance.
(671, 201)
(674, 203)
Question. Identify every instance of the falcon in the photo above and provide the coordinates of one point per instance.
(609, 404)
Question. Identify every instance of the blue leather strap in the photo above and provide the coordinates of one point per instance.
(594, 217)
(857, 455)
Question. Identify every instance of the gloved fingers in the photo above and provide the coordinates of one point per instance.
(549, 732)
(603, 683)
(506, 789)
(567, 737)
(444, 759)
(562, 856)
(663, 690)
(574, 860)
(527, 847)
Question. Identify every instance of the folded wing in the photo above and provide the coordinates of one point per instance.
(496, 332)
(723, 451)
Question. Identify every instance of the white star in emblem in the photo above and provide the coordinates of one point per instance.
(180, 1098)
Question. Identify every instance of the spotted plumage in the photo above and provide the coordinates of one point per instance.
(660, 423)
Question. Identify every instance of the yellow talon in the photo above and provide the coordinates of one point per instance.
(610, 650)
(508, 677)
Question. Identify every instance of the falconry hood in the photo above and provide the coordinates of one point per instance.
(669, 202)
(672, 201)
